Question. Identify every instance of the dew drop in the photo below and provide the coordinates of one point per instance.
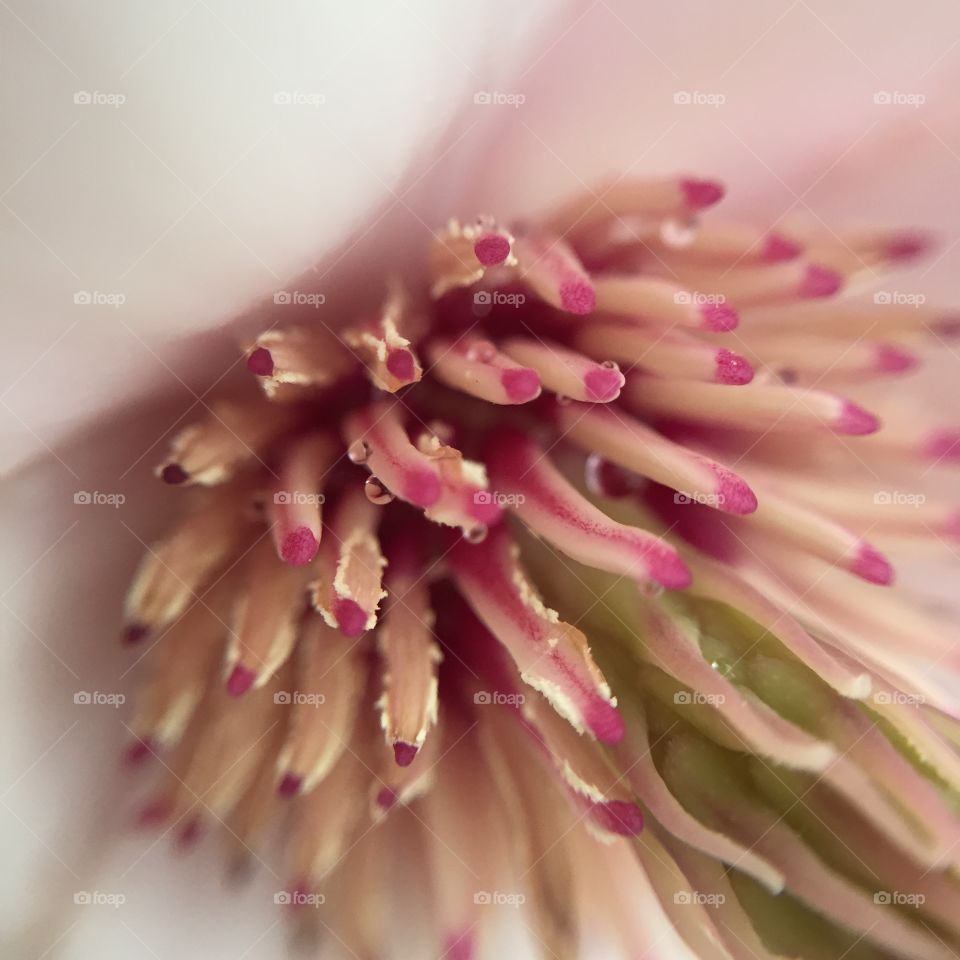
(563, 399)
(610, 365)
(650, 589)
(476, 534)
(376, 492)
(679, 233)
(359, 451)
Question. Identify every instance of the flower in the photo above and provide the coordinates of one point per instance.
(601, 473)
(345, 621)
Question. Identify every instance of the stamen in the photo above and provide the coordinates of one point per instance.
(550, 267)
(265, 623)
(661, 302)
(393, 458)
(408, 705)
(665, 353)
(460, 254)
(330, 679)
(174, 570)
(810, 530)
(210, 451)
(476, 367)
(583, 769)
(348, 589)
(556, 511)
(774, 284)
(464, 502)
(552, 656)
(757, 406)
(294, 510)
(304, 359)
(628, 442)
(180, 666)
(634, 197)
(567, 372)
(819, 360)
(384, 346)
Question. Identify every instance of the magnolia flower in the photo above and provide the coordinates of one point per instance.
(522, 567)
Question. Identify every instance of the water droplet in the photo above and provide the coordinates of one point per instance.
(481, 351)
(563, 399)
(359, 451)
(610, 364)
(476, 534)
(679, 233)
(376, 492)
(650, 589)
